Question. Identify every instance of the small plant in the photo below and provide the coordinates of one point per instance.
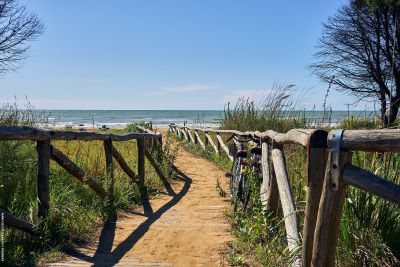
(134, 127)
(220, 190)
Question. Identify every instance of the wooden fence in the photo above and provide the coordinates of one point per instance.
(46, 152)
(329, 173)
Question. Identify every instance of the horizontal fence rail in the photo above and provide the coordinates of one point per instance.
(36, 134)
(329, 173)
(47, 152)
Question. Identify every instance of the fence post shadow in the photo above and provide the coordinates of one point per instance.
(104, 254)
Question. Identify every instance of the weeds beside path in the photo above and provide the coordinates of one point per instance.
(185, 226)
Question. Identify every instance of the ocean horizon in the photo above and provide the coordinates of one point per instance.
(162, 118)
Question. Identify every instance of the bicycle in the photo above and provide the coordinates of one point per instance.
(239, 178)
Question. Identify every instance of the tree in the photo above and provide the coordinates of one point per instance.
(359, 53)
(17, 27)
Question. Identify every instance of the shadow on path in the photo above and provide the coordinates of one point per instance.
(104, 256)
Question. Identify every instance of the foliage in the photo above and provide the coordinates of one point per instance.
(358, 53)
(133, 127)
(17, 28)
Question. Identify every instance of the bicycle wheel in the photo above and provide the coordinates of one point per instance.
(245, 191)
(234, 183)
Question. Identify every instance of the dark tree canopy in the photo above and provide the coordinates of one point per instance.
(359, 53)
(17, 27)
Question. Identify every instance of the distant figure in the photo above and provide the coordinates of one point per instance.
(104, 127)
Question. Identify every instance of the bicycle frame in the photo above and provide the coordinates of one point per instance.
(240, 180)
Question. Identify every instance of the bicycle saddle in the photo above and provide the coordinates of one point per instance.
(241, 154)
(256, 150)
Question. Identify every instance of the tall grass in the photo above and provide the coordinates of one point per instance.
(279, 110)
(75, 210)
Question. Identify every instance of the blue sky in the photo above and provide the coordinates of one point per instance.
(172, 54)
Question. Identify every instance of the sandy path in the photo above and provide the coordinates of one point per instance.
(185, 228)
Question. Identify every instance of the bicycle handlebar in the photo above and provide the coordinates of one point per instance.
(248, 138)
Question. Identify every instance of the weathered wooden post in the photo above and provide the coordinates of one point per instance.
(198, 140)
(210, 141)
(141, 159)
(205, 140)
(185, 134)
(76, 172)
(108, 149)
(160, 150)
(286, 197)
(316, 163)
(191, 139)
(219, 148)
(331, 203)
(43, 176)
(269, 194)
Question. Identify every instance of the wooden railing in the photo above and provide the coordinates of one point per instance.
(329, 173)
(46, 152)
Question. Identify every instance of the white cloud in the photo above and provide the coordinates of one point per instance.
(187, 88)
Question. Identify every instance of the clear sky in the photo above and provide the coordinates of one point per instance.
(172, 54)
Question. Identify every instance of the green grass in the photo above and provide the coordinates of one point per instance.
(75, 210)
(279, 111)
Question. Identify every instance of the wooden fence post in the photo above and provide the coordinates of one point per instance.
(210, 141)
(269, 194)
(219, 147)
(196, 140)
(43, 175)
(108, 149)
(286, 197)
(185, 134)
(141, 163)
(329, 214)
(316, 163)
(191, 139)
(205, 140)
(160, 150)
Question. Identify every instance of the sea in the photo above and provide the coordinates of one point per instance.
(121, 118)
(162, 118)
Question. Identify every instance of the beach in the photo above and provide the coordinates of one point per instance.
(119, 119)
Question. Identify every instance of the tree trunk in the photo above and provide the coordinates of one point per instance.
(392, 112)
(383, 109)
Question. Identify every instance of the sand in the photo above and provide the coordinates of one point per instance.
(185, 226)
